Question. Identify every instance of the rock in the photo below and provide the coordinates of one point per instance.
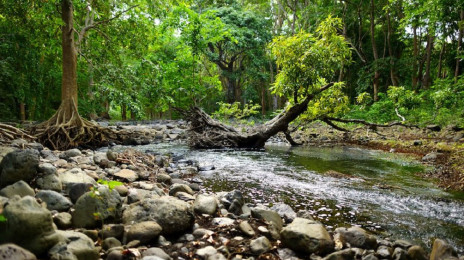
(95, 207)
(433, 156)
(304, 214)
(384, 252)
(19, 188)
(28, 225)
(19, 165)
(232, 196)
(200, 232)
(70, 153)
(14, 252)
(307, 236)
(173, 215)
(417, 142)
(369, 257)
(184, 196)
(115, 255)
(441, 250)
(403, 244)
(178, 187)
(399, 254)
(122, 190)
(145, 232)
(223, 221)
(205, 204)
(76, 190)
(48, 155)
(74, 244)
(54, 200)
(163, 178)
(206, 251)
(112, 155)
(246, 228)
(110, 242)
(417, 253)
(269, 216)
(135, 195)
(101, 160)
(4, 150)
(91, 233)
(112, 230)
(63, 220)
(156, 251)
(76, 175)
(260, 245)
(127, 175)
(48, 178)
(434, 128)
(458, 137)
(346, 254)
(285, 211)
(357, 237)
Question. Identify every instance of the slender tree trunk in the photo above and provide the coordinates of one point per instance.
(393, 77)
(133, 115)
(427, 79)
(415, 48)
(69, 77)
(123, 112)
(22, 111)
(440, 59)
(375, 52)
(458, 52)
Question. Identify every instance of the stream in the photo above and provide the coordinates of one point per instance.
(341, 186)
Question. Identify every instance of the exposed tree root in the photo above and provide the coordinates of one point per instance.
(9, 133)
(328, 120)
(67, 129)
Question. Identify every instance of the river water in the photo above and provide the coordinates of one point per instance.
(340, 186)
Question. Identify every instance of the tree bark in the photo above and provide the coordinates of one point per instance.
(440, 59)
(394, 78)
(22, 111)
(206, 132)
(375, 53)
(415, 48)
(427, 79)
(123, 112)
(460, 35)
(69, 65)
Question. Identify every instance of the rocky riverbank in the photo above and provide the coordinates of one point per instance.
(84, 204)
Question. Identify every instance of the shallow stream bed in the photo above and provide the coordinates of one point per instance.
(340, 186)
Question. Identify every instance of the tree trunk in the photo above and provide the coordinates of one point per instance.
(440, 59)
(458, 52)
(415, 47)
(133, 115)
(123, 112)
(22, 111)
(427, 79)
(375, 52)
(206, 132)
(69, 77)
(394, 78)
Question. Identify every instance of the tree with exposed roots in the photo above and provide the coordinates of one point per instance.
(308, 62)
(66, 128)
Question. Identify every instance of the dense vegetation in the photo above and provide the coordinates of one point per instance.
(138, 59)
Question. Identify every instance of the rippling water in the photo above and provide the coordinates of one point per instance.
(379, 191)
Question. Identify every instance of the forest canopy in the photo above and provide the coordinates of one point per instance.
(140, 59)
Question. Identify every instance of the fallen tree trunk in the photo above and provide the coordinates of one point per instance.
(205, 132)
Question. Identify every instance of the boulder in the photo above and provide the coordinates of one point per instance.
(112, 155)
(269, 216)
(112, 230)
(54, 200)
(307, 236)
(356, 237)
(285, 211)
(19, 188)
(442, 250)
(19, 165)
(97, 206)
(260, 245)
(110, 242)
(76, 175)
(246, 228)
(205, 204)
(145, 232)
(417, 253)
(63, 220)
(173, 215)
(28, 225)
(14, 252)
(74, 245)
(156, 251)
(70, 153)
(127, 175)
(179, 187)
(48, 178)
(76, 190)
(346, 254)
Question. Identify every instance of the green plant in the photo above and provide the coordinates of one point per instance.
(111, 184)
(233, 111)
(2, 218)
